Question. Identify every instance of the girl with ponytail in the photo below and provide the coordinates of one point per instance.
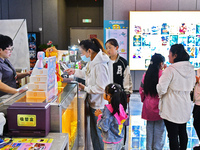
(111, 119)
(155, 128)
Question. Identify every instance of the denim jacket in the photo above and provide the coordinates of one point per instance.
(112, 125)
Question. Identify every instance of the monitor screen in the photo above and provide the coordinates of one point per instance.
(155, 31)
(33, 41)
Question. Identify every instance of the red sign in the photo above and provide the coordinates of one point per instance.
(93, 36)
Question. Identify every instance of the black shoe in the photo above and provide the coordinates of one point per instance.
(196, 148)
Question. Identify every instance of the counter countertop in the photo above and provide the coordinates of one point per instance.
(60, 140)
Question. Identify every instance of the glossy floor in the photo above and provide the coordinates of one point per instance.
(137, 128)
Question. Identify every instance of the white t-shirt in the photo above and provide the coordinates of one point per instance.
(110, 67)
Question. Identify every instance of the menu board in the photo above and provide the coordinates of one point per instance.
(155, 32)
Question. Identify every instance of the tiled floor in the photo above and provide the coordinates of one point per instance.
(137, 128)
(136, 132)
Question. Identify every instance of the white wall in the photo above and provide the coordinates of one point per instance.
(16, 29)
(84, 33)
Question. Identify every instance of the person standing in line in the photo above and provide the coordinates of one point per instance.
(174, 87)
(155, 129)
(196, 109)
(112, 118)
(96, 77)
(119, 72)
(118, 67)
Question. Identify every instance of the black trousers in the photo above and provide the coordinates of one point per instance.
(196, 116)
(177, 135)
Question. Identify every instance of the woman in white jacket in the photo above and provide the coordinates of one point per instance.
(174, 88)
(96, 77)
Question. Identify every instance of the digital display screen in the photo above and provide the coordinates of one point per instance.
(32, 41)
(155, 31)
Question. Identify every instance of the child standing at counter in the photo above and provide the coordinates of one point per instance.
(111, 120)
(119, 71)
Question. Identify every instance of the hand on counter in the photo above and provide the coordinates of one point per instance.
(97, 112)
(70, 71)
(28, 73)
(81, 86)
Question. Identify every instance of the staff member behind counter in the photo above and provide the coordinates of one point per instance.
(8, 75)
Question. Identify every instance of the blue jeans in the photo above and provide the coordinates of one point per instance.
(155, 135)
(95, 132)
(117, 146)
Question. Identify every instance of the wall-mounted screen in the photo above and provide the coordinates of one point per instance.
(154, 32)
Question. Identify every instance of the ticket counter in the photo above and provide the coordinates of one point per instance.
(64, 111)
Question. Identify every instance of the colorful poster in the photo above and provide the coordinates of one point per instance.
(191, 29)
(182, 28)
(13, 146)
(36, 146)
(137, 40)
(51, 77)
(165, 40)
(155, 32)
(173, 39)
(146, 30)
(198, 29)
(165, 29)
(118, 29)
(191, 40)
(182, 40)
(28, 144)
(137, 29)
(146, 40)
(197, 40)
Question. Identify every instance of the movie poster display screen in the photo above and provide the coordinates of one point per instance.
(154, 32)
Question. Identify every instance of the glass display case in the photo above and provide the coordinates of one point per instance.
(64, 117)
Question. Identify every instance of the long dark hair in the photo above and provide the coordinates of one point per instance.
(85, 44)
(151, 77)
(179, 50)
(118, 96)
(97, 45)
(93, 44)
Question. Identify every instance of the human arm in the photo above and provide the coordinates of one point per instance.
(7, 89)
(164, 82)
(97, 112)
(127, 82)
(80, 73)
(24, 74)
(103, 121)
(101, 78)
(70, 71)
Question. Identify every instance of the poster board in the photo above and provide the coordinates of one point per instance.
(51, 77)
(155, 31)
(117, 29)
